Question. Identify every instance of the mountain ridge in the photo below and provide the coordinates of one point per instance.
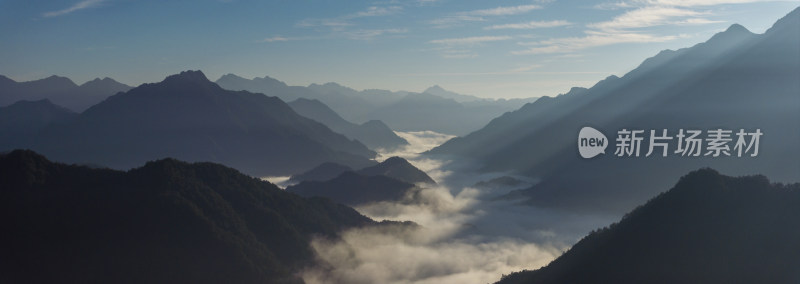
(374, 133)
(708, 228)
(166, 221)
(709, 85)
(61, 91)
(401, 111)
(188, 117)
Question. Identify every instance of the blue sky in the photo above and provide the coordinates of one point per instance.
(484, 48)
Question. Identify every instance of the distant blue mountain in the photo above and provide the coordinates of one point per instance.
(434, 109)
(61, 91)
(374, 133)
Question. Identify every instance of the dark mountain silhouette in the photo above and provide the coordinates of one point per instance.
(374, 133)
(60, 90)
(501, 182)
(709, 228)
(354, 189)
(190, 118)
(735, 80)
(435, 109)
(33, 115)
(323, 172)
(22, 121)
(394, 167)
(166, 222)
(400, 169)
(381, 135)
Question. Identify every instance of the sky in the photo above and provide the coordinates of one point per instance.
(494, 49)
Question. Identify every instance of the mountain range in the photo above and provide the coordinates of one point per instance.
(400, 169)
(393, 167)
(434, 109)
(165, 222)
(390, 180)
(188, 117)
(354, 189)
(60, 90)
(374, 133)
(735, 80)
(709, 228)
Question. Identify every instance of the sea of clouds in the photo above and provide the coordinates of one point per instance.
(464, 235)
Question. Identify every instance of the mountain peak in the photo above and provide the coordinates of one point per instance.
(231, 76)
(269, 79)
(398, 168)
(105, 82)
(188, 76)
(733, 36)
(438, 91)
(396, 161)
(737, 28)
(60, 82)
(434, 88)
(735, 31)
(56, 77)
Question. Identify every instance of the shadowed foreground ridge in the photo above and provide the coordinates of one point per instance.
(709, 228)
(166, 222)
(354, 189)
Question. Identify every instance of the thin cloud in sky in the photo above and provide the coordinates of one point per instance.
(342, 21)
(592, 39)
(376, 11)
(454, 20)
(459, 54)
(505, 11)
(469, 40)
(367, 34)
(692, 3)
(530, 25)
(330, 23)
(613, 5)
(78, 6)
(275, 39)
(344, 26)
(459, 48)
(632, 25)
(646, 17)
(479, 15)
(525, 68)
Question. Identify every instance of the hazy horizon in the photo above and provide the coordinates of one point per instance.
(512, 49)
